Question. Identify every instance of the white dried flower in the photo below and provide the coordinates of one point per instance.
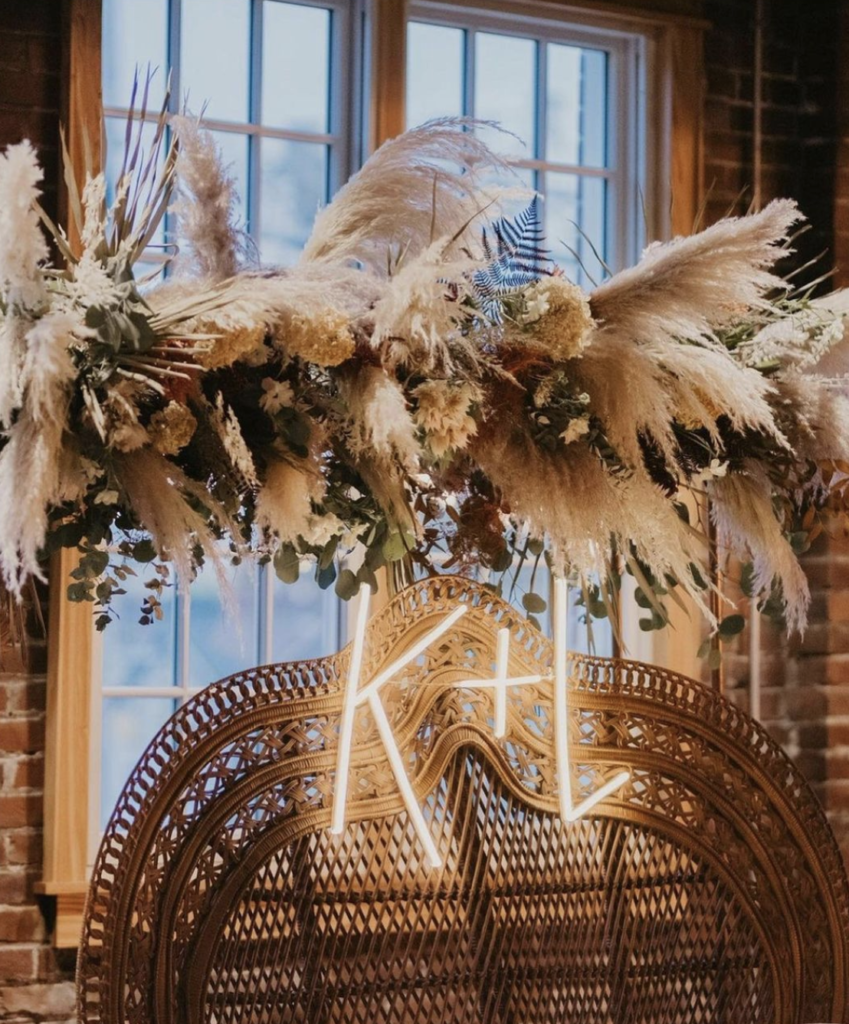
(94, 207)
(715, 471)
(576, 429)
(318, 530)
(170, 429)
(277, 395)
(234, 442)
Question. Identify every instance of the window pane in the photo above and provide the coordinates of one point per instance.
(116, 128)
(234, 152)
(306, 620)
(295, 66)
(434, 72)
(573, 200)
(135, 35)
(223, 634)
(128, 725)
(505, 88)
(215, 57)
(136, 655)
(293, 185)
(577, 105)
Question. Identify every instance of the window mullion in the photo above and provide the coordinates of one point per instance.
(175, 31)
(541, 129)
(255, 117)
(182, 668)
(469, 72)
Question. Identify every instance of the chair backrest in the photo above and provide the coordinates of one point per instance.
(708, 889)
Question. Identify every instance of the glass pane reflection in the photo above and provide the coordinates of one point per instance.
(295, 66)
(434, 72)
(137, 655)
(135, 36)
(293, 186)
(215, 57)
(127, 727)
(223, 628)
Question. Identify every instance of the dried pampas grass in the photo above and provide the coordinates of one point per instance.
(746, 525)
(30, 483)
(406, 196)
(379, 420)
(284, 502)
(171, 508)
(205, 205)
(23, 246)
(417, 317)
(687, 288)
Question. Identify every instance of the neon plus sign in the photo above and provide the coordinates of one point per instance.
(356, 695)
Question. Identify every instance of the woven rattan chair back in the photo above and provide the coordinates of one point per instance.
(709, 889)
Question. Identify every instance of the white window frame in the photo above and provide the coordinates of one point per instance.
(344, 146)
(632, 151)
(627, 90)
(345, 97)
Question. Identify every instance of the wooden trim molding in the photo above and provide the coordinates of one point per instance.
(69, 650)
(388, 71)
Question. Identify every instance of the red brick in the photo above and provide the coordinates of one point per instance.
(16, 886)
(18, 963)
(28, 772)
(18, 810)
(21, 735)
(55, 1002)
(21, 924)
(23, 846)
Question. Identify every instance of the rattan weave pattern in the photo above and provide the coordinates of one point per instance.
(709, 890)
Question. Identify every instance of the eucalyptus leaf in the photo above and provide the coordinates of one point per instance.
(287, 564)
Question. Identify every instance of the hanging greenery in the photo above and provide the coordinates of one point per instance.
(424, 383)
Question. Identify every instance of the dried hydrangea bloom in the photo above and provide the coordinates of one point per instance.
(324, 338)
(231, 345)
(558, 317)
(443, 414)
(171, 428)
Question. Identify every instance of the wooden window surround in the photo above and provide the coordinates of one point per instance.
(675, 97)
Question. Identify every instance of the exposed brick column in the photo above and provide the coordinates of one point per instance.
(36, 983)
(804, 684)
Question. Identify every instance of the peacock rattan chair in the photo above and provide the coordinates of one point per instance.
(709, 889)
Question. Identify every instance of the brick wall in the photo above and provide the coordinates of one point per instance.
(35, 982)
(805, 684)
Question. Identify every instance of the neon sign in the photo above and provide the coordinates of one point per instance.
(358, 693)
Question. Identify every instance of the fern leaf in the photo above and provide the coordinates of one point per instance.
(516, 255)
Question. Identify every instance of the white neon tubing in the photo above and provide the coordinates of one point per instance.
(603, 791)
(561, 702)
(494, 682)
(407, 791)
(411, 654)
(501, 656)
(349, 707)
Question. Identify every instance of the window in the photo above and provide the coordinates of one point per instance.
(573, 99)
(278, 108)
(286, 81)
(274, 80)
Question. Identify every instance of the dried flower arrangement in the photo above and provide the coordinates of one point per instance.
(424, 382)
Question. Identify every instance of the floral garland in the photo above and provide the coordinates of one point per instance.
(424, 384)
